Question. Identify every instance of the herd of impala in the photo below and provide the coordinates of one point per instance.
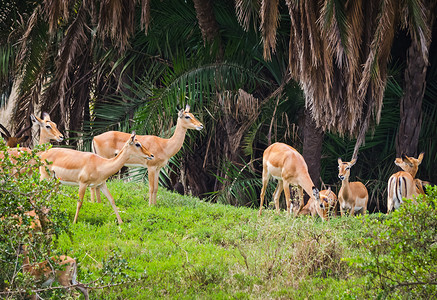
(112, 150)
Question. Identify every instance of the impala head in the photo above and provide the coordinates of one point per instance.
(327, 198)
(138, 149)
(13, 141)
(409, 164)
(188, 120)
(344, 168)
(48, 129)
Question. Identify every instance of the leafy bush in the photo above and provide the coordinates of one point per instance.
(402, 259)
(22, 191)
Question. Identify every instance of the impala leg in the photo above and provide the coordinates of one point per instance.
(95, 195)
(153, 185)
(265, 181)
(286, 187)
(82, 189)
(108, 195)
(277, 194)
(300, 195)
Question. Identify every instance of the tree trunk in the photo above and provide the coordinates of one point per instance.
(312, 147)
(410, 125)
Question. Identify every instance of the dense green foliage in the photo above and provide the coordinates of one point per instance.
(20, 192)
(403, 250)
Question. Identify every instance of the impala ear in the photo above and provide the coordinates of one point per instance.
(353, 162)
(132, 138)
(339, 161)
(187, 108)
(420, 158)
(181, 113)
(406, 159)
(45, 116)
(35, 119)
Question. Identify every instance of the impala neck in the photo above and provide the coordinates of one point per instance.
(175, 143)
(345, 186)
(113, 165)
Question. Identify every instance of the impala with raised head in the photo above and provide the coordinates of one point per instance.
(48, 131)
(85, 169)
(353, 196)
(109, 144)
(288, 166)
(403, 184)
(18, 138)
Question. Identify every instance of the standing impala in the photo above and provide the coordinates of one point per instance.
(403, 184)
(288, 166)
(85, 169)
(353, 196)
(109, 143)
(48, 131)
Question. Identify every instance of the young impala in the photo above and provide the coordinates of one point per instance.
(328, 201)
(85, 169)
(353, 196)
(109, 144)
(285, 164)
(403, 184)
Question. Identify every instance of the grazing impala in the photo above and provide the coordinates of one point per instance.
(328, 204)
(13, 141)
(288, 166)
(353, 196)
(403, 184)
(109, 144)
(85, 169)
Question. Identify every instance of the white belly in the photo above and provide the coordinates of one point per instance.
(274, 171)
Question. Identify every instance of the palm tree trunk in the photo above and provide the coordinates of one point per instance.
(312, 147)
(410, 125)
(208, 24)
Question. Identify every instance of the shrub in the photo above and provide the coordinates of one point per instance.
(402, 259)
(21, 191)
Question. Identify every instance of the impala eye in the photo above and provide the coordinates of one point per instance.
(48, 126)
(138, 145)
(187, 117)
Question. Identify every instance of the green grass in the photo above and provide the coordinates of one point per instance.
(189, 249)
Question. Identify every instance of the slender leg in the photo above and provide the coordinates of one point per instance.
(153, 184)
(95, 194)
(108, 195)
(277, 194)
(82, 189)
(286, 187)
(265, 180)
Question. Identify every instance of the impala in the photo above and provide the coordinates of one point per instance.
(285, 164)
(48, 131)
(353, 196)
(66, 276)
(85, 169)
(403, 184)
(13, 141)
(109, 144)
(45, 271)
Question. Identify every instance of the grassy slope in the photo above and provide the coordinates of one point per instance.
(192, 249)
